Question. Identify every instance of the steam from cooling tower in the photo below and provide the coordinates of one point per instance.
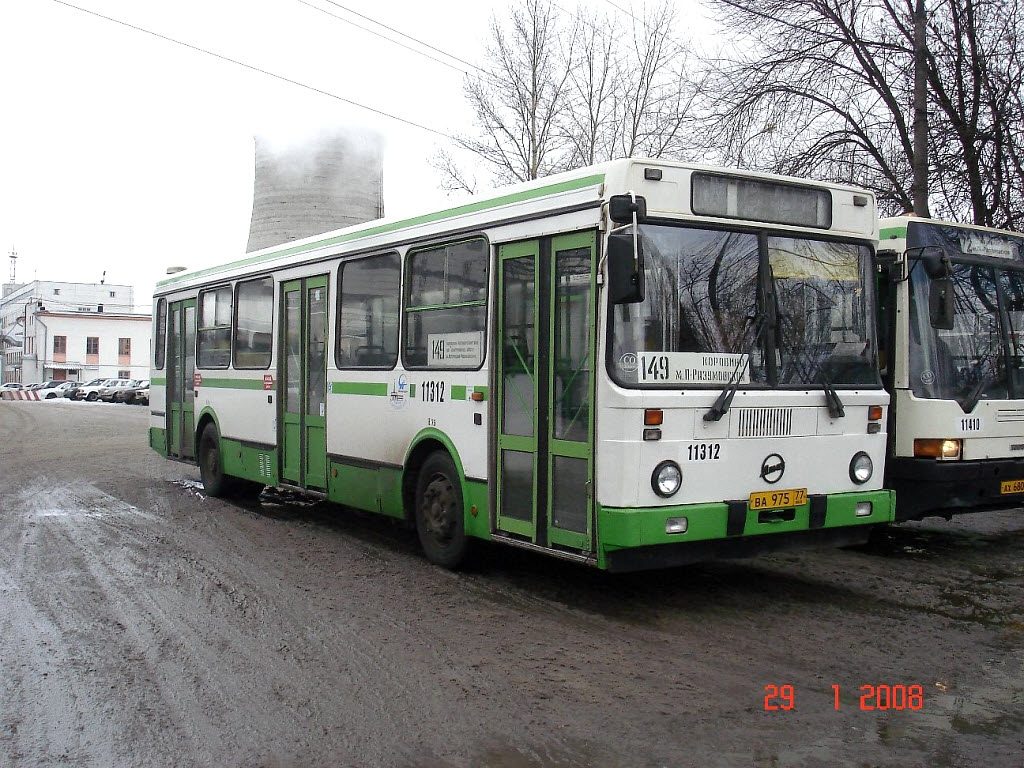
(309, 185)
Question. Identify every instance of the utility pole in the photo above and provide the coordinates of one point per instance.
(920, 183)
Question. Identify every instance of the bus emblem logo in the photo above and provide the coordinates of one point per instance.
(773, 468)
(628, 362)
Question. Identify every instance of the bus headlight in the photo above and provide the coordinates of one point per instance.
(861, 468)
(666, 479)
(940, 449)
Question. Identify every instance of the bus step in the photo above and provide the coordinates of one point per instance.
(576, 557)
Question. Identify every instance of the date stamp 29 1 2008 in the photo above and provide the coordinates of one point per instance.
(872, 697)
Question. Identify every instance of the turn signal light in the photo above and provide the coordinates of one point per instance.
(874, 413)
(653, 417)
(936, 448)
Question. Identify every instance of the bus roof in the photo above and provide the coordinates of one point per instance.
(585, 187)
(895, 227)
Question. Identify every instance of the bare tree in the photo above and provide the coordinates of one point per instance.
(593, 90)
(654, 91)
(560, 93)
(824, 88)
(518, 100)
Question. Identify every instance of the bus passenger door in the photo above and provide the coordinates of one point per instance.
(181, 368)
(303, 401)
(545, 390)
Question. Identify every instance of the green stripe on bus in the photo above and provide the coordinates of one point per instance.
(552, 189)
(458, 391)
(893, 233)
(231, 383)
(158, 381)
(359, 388)
(412, 390)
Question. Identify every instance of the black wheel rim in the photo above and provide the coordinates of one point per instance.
(438, 509)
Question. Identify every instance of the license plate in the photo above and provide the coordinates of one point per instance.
(1012, 486)
(794, 497)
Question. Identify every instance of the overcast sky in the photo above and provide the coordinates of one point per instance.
(126, 153)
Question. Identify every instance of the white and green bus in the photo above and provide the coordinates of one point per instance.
(951, 299)
(638, 364)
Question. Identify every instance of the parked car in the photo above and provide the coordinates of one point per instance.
(107, 391)
(52, 389)
(130, 393)
(74, 393)
(67, 389)
(91, 391)
(11, 386)
(142, 395)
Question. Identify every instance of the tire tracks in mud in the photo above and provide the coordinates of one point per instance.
(197, 664)
(297, 633)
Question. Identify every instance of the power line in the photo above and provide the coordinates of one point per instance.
(258, 69)
(403, 34)
(383, 37)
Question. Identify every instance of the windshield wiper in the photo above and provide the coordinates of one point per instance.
(724, 400)
(975, 394)
(835, 405)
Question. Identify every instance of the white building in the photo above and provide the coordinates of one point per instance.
(77, 331)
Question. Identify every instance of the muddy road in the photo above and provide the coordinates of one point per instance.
(142, 624)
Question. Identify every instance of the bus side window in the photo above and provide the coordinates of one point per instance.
(446, 306)
(368, 297)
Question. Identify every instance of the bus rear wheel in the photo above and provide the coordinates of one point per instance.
(439, 512)
(211, 467)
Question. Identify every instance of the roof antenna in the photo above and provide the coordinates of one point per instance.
(104, 278)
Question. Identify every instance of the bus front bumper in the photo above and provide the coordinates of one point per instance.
(927, 487)
(637, 539)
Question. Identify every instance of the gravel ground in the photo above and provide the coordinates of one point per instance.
(142, 624)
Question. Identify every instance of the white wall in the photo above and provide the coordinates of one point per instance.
(39, 365)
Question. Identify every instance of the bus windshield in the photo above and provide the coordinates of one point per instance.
(969, 362)
(768, 310)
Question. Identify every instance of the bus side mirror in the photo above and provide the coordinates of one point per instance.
(622, 207)
(625, 269)
(936, 264)
(941, 306)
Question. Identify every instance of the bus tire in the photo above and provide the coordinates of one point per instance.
(440, 521)
(211, 467)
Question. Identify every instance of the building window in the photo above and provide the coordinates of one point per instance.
(213, 339)
(113, 294)
(56, 291)
(446, 306)
(124, 374)
(254, 323)
(92, 345)
(60, 345)
(368, 312)
(124, 347)
(160, 343)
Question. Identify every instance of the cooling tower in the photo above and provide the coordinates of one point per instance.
(305, 187)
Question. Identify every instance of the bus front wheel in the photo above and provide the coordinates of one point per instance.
(439, 512)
